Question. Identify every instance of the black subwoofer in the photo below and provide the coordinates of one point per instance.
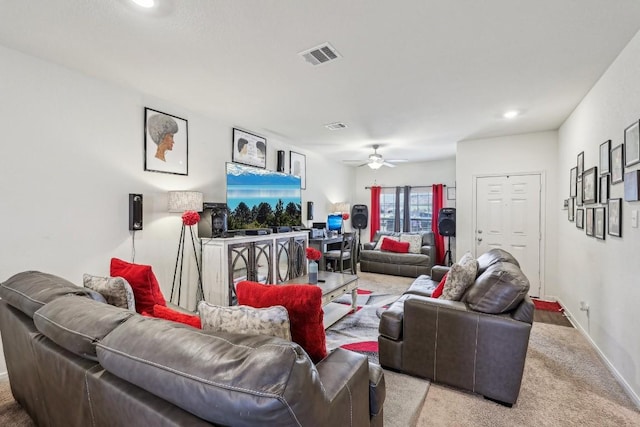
(447, 222)
(359, 216)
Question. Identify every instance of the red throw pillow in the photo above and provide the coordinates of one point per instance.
(167, 313)
(391, 245)
(438, 290)
(146, 289)
(304, 305)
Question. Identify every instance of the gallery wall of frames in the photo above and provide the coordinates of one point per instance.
(589, 204)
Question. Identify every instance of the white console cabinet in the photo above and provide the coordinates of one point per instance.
(271, 258)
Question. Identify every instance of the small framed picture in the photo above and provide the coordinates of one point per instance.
(617, 164)
(579, 194)
(166, 143)
(298, 167)
(615, 217)
(605, 162)
(249, 149)
(589, 221)
(590, 186)
(571, 208)
(580, 218)
(632, 186)
(580, 165)
(573, 180)
(451, 193)
(599, 219)
(604, 189)
(632, 144)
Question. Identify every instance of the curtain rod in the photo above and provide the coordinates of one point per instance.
(369, 188)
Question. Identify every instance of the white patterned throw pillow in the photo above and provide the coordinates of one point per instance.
(242, 319)
(116, 290)
(461, 275)
(415, 242)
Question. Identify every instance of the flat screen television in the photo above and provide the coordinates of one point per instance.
(260, 198)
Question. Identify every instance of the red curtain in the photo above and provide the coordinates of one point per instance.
(375, 211)
(438, 202)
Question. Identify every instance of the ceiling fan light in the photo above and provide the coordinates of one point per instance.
(375, 165)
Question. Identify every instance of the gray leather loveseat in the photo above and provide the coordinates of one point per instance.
(399, 264)
(478, 343)
(74, 361)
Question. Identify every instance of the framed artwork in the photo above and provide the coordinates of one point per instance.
(248, 149)
(632, 144)
(598, 219)
(604, 188)
(298, 167)
(166, 143)
(579, 194)
(631, 187)
(580, 165)
(615, 217)
(571, 208)
(580, 218)
(451, 193)
(605, 152)
(589, 221)
(590, 186)
(617, 168)
(573, 180)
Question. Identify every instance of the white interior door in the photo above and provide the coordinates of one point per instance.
(508, 217)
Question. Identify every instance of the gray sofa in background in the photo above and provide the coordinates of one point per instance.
(399, 264)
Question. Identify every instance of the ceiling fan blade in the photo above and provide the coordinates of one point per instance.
(391, 165)
(397, 160)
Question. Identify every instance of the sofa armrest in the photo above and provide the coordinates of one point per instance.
(369, 246)
(377, 390)
(438, 272)
(345, 378)
(430, 251)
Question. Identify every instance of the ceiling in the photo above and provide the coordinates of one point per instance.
(415, 76)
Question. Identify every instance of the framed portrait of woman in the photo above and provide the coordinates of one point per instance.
(166, 143)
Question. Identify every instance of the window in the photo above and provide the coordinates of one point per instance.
(392, 209)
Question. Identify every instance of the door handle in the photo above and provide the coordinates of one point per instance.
(479, 231)
(479, 239)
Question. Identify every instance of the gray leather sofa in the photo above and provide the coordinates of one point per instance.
(478, 343)
(398, 264)
(74, 361)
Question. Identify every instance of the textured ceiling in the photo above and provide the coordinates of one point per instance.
(415, 75)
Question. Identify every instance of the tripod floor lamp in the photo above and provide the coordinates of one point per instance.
(189, 203)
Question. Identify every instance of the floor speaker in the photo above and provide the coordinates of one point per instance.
(447, 222)
(359, 216)
(135, 211)
(280, 161)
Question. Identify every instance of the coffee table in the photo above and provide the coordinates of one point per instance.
(333, 286)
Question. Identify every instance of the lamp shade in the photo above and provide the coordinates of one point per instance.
(342, 207)
(182, 201)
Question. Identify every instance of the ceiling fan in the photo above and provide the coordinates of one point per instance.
(376, 161)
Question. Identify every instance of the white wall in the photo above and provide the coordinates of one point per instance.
(412, 174)
(606, 273)
(533, 152)
(73, 151)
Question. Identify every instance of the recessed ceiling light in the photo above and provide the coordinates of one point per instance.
(510, 114)
(145, 3)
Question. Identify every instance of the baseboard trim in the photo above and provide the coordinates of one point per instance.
(627, 388)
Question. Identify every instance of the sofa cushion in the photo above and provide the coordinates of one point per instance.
(30, 290)
(493, 256)
(115, 290)
(499, 289)
(414, 240)
(163, 312)
(77, 324)
(391, 245)
(146, 289)
(438, 291)
(395, 258)
(304, 305)
(460, 277)
(242, 319)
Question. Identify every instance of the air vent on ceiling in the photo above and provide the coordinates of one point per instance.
(320, 54)
(335, 126)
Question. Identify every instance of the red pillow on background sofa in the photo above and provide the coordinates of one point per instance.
(391, 245)
(162, 312)
(146, 289)
(438, 290)
(304, 305)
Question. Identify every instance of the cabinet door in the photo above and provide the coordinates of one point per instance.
(298, 257)
(283, 260)
(260, 270)
(240, 261)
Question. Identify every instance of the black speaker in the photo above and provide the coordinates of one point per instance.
(135, 211)
(280, 160)
(359, 216)
(447, 222)
(309, 210)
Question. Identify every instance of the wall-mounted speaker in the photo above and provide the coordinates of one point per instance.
(447, 222)
(135, 211)
(359, 216)
(309, 210)
(280, 161)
